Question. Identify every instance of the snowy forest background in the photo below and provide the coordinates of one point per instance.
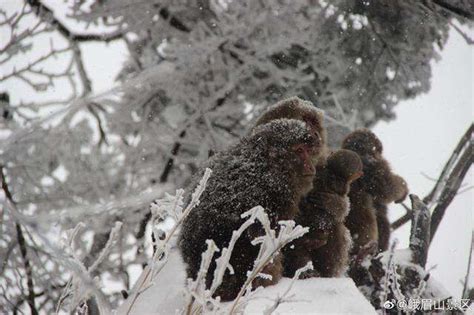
(106, 105)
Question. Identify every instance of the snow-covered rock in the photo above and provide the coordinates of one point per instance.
(311, 296)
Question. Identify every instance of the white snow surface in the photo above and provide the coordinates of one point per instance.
(310, 296)
(313, 296)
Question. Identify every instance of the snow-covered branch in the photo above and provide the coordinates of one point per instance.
(270, 245)
(169, 206)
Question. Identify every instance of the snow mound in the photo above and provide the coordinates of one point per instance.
(315, 296)
(166, 294)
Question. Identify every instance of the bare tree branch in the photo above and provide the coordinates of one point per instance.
(452, 185)
(465, 288)
(23, 249)
(449, 165)
(446, 6)
(448, 182)
(420, 231)
(46, 14)
(77, 55)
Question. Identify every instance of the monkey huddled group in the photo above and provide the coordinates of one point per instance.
(284, 165)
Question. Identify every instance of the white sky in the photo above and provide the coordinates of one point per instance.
(420, 140)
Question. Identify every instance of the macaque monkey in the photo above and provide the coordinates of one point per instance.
(272, 167)
(324, 210)
(369, 196)
(296, 108)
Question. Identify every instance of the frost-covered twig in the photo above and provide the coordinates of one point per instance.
(197, 288)
(23, 246)
(269, 248)
(76, 286)
(180, 215)
(85, 284)
(171, 206)
(222, 262)
(112, 238)
(284, 297)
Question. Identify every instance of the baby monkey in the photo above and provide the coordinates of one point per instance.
(324, 210)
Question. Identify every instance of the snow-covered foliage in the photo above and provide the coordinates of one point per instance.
(270, 246)
(198, 72)
(392, 277)
(323, 296)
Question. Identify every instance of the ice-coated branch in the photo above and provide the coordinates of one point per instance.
(197, 287)
(82, 282)
(269, 248)
(285, 297)
(76, 287)
(45, 13)
(180, 215)
(23, 247)
(114, 234)
(223, 262)
(172, 206)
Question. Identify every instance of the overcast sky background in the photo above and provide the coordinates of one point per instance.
(421, 140)
(418, 142)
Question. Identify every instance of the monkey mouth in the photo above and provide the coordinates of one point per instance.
(356, 176)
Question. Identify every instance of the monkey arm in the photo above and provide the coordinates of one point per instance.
(335, 206)
(382, 183)
(400, 188)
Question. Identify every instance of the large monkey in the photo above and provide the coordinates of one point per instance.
(271, 167)
(325, 209)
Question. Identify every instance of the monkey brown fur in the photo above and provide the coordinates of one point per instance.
(328, 203)
(296, 108)
(370, 195)
(324, 210)
(271, 167)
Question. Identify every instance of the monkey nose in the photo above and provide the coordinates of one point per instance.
(310, 170)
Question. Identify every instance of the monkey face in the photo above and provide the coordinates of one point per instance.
(346, 164)
(305, 154)
(364, 142)
(296, 108)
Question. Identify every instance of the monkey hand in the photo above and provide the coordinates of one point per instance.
(401, 188)
(312, 243)
(368, 250)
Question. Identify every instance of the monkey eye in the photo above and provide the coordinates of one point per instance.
(300, 149)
